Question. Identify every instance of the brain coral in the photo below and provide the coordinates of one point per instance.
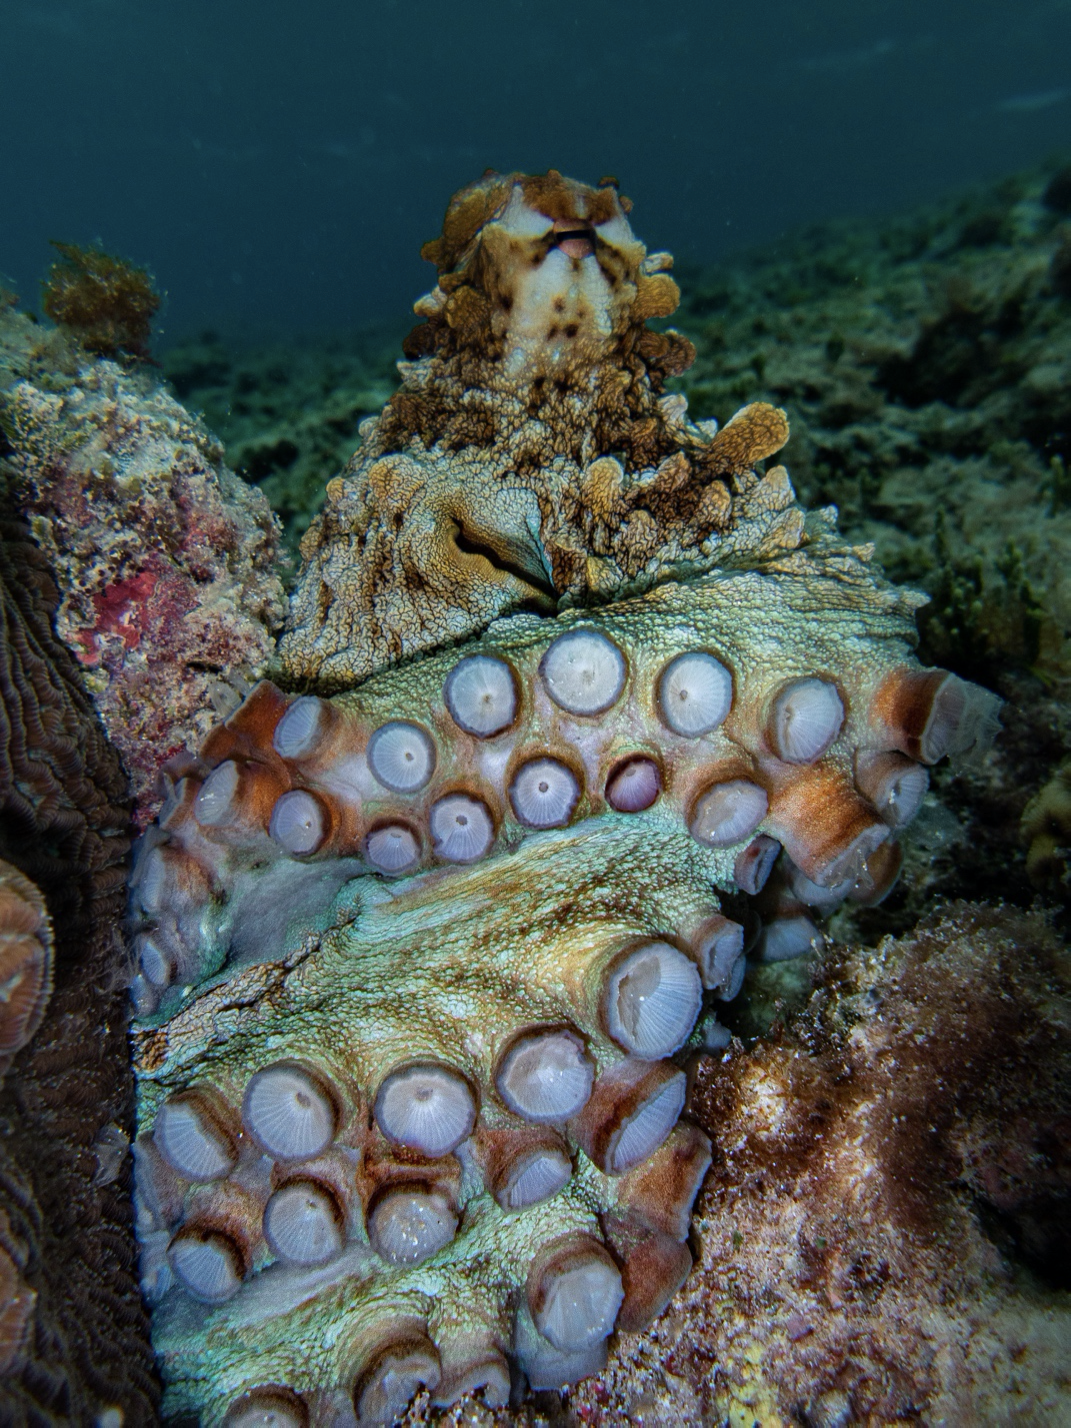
(73, 1332)
(424, 946)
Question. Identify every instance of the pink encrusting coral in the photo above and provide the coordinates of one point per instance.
(168, 562)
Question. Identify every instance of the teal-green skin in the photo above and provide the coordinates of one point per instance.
(448, 964)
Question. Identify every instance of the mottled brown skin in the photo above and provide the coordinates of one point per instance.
(73, 1331)
(884, 1168)
(531, 454)
(466, 339)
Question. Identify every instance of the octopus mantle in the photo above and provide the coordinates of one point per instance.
(420, 964)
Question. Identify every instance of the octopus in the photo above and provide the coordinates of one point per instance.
(576, 711)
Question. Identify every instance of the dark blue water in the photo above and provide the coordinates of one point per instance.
(277, 165)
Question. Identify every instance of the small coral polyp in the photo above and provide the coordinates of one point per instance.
(420, 961)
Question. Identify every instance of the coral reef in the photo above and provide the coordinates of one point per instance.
(73, 1332)
(921, 354)
(166, 560)
(291, 412)
(886, 1216)
(105, 303)
(419, 963)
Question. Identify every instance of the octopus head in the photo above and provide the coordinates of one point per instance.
(543, 272)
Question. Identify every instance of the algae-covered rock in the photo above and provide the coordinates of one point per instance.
(924, 364)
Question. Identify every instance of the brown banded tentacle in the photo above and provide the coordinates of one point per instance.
(928, 713)
(825, 826)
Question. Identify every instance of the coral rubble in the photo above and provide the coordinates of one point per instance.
(419, 963)
(1046, 826)
(166, 560)
(73, 1331)
(291, 411)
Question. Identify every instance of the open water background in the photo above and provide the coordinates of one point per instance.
(277, 165)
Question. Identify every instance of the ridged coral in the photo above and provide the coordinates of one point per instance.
(73, 1332)
(165, 559)
(1046, 828)
(415, 961)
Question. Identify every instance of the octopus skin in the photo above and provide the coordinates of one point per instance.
(420, 962)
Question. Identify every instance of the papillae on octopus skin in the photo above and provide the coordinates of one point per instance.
(420, 964)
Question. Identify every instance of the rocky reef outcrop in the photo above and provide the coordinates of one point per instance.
(167, 563)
